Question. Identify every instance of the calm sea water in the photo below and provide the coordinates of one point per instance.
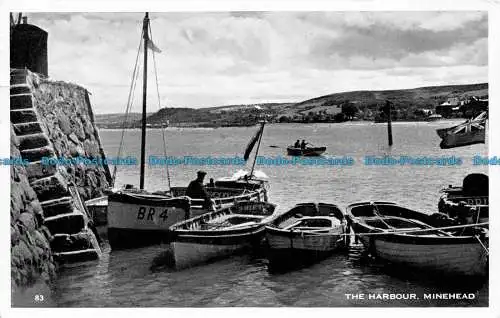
(127, 278)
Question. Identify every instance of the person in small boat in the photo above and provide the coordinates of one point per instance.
(303, 144)
(297, 144)
(196, 189)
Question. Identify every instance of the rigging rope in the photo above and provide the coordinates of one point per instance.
(159, 108)
(127, 109)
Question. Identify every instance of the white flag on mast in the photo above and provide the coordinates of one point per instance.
(153, 47)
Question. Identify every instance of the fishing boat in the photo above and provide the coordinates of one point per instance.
(306, 233)
(468, 133)
(415, 239)
(308, 151)
(137, 217)
(468, 203)
(434, 117)
(218, 234)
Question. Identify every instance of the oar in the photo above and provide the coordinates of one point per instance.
(274, 146)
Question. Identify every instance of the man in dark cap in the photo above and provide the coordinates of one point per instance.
(196, 190)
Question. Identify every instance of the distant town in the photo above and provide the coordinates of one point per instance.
(419, 104)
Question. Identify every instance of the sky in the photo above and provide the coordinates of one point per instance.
(224, 58)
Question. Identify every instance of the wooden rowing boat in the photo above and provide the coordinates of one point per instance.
(306, 233)
(406, 237)
(218, 234)
(307, 152)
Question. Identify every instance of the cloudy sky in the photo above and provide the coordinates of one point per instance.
(212, 59)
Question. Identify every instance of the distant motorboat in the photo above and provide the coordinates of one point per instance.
(307, 152)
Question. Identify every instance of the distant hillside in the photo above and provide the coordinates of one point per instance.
(367, 104)
(423, 97)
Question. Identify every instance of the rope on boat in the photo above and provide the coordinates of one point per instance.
(485, 248)
(159, 108)
(403, 231)
(130, 100)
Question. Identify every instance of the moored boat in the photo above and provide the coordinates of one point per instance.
(411, 238)
(468, 203)
(308, 151)
(468, 133)
(218, 234)
(139, 218)
(306, 233)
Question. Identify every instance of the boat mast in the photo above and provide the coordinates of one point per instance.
(145, 31)
(258, 145)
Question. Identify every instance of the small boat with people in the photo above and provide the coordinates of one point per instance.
(431, 242)
(306, 233)
(302, 149)
(469, 203)
(470, 132)
(306, 152)
(218, 234)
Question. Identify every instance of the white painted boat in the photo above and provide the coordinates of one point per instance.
(406, 237)
(219, 234)
(138, 218)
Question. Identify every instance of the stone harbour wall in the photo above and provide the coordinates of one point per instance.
(31, 256)
(49, 222)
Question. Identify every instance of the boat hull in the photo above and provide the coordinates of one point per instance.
(288, 249)
(308, 152)
(185, 254)
(420, 245)
(456, 140)
(137, 221)
(467, 258)
(214, 236)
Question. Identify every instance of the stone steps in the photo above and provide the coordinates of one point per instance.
(21, 116)
(21, 101)
(73, 241)
(77, 256)
(27, 128)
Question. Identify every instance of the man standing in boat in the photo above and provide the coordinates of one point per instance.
(196, 190)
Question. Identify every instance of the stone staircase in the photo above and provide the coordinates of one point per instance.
(63, 212)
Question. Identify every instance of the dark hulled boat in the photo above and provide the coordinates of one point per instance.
(309, 151)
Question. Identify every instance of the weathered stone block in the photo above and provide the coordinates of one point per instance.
(36, 154)
(28, 221)
(22, 116)
(59, 206)
(37, 170)
(50, 188)
(21, 101)
(66, 224)
(21, 89)
(67, 242)
(33, 141)
(17, 79)
(27, 128)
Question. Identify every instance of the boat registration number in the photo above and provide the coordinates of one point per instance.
(148, 214)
